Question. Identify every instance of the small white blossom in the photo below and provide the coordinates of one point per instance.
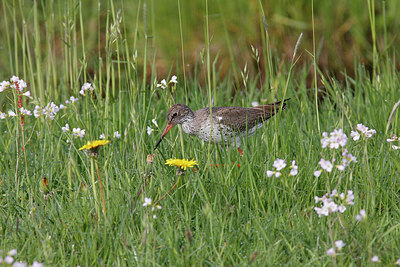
(375, 259)
(2, 115)
(27, 94)
(278, 174)
(154, 122)
(317, 173)
(174, 80)
(62, 106)
(395, 147)
(78, 132)
(255, 104)
(149, 130)
(4, 85)
(326, 165)
(162, 84)
(11, 113)
(398, 262)
(355, 135)
(8, 259)
(361, 215)
(12, 252)
(14, 79)
(37, 264)
(270, 173)
(279, 164)
(342, 208)
(117, 135)
(102, 136)
(331, 252)
(20, 264)
(72, 99)
(293, 169)
(340, 244)
(147, 202)
(25, 111)
(65, 128)
(37, 111)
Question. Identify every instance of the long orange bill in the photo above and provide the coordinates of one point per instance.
(167, 128)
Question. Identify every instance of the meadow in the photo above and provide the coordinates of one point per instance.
(318, 185)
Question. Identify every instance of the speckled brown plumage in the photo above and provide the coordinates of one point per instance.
(226, 123)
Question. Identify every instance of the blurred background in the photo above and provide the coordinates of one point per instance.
(48, 34)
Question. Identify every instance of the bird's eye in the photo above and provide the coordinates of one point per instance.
(174, 115)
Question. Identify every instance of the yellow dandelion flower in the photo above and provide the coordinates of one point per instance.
(181, 163)
(92, 148)
(94, 144)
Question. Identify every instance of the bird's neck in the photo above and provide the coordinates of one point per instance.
(188, 126)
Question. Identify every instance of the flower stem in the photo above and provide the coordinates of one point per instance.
(103, 200)
(169, 191)
(94, 184)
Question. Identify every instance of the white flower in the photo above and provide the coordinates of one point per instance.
(395, 147)
(82, 92)
(4, 85)
(2, 115)
(65, 128)
(398, 262)
(27, 94)
(154, 216)
(362, 128)
(50, 110)
(361, 215)
(334, 193)
(270, 173)
(78, 132)
(87, 86)
(162, 84)
(279, 164)
(317, 173)
(12, 252)
(317, 199)
(147, 202)
(37, 264)
(355, 135)
(340, 244)
(11, 113)
(255, 104)
(14, 79)
(331, 252)
(174, 80)
(102, 136)
(62, 106)
(158, 207)
(25, 111)
(350, 197)
(22, 85)
(117, 135)
(375, 259)
(20, 264)
(335, 139)
(154, 122)
(342, 208)
(278, 174)
(326, 165)
(293, 169)
(8, 259)
(72, 99)
(37, 111)
(325, 140)
(149, 130)
(369, 133)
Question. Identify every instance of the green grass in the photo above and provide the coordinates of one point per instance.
(217, 215)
